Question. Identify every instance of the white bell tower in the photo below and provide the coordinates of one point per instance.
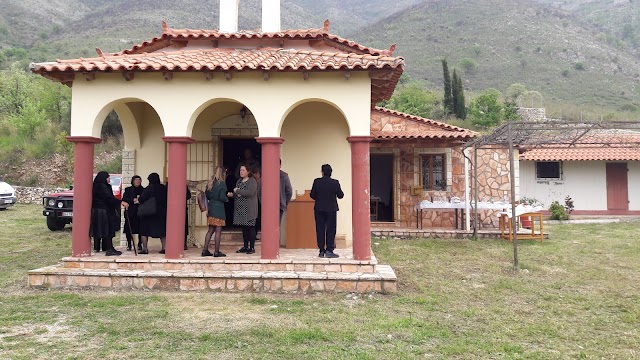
(229, 16)
(270, 15)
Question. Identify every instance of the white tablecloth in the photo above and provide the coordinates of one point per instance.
(523, 209)
(428, 205)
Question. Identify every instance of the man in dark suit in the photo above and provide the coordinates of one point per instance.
(326, 192)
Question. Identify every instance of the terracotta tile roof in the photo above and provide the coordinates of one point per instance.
(421, 129)
(596, 147)
(322, 34)
(582, 154)
(225, 59)
(426, 134)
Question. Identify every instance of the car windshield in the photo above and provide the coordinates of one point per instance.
(115, 181)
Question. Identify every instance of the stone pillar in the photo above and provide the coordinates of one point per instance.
(128, 171)
(82, 194)
(176, 199)
(270, 180)
(361, 196)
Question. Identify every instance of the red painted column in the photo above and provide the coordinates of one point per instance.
(82, 194)
(176, 199)
(270, 179)
(361, 196)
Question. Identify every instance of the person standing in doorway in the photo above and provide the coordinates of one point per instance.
(216, 194)
(326, 192)
(246, 209)
(248, 161)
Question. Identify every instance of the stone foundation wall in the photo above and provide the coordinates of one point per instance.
(34, 195)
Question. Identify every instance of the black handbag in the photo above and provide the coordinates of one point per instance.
(148, 208)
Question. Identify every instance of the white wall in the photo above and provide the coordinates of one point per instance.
(584, 181)
(315, 134)
(180, 101)
(151, 155)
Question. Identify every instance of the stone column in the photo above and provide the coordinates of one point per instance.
(128, 171)
(361, 196)
(176, 199)
(270, 180)
(82, 194)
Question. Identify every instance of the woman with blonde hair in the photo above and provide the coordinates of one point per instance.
(216, 194)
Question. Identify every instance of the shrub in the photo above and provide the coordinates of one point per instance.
(565, 73)
(468, 65)
(578, 66)
(568, 204)
(558, 211)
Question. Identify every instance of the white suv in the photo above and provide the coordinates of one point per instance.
(7, 195)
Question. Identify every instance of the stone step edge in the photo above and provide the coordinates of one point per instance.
(337, 261)
(383, 273)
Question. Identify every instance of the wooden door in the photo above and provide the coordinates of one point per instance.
(617, 186)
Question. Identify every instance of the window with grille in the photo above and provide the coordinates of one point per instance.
(548, 170)
(434, 175)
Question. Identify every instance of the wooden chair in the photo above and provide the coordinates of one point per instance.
(537, 230)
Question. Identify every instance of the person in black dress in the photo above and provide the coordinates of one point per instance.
(105, 220)
(155, 225)
(130, 202)
(326, 192)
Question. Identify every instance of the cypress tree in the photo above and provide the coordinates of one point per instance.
(461, 109)
(454, 93)
(448, 93)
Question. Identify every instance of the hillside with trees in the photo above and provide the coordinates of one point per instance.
(496, 43)
(577, 58)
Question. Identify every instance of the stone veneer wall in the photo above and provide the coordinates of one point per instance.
(34, 195)
(409, 167)
(532, 114)
(493, 181)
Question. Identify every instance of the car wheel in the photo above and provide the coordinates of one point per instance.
(54, 224)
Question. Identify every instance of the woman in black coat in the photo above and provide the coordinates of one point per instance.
(105, 219)
(154, 225)
(130, 202)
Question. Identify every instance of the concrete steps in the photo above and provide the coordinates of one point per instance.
(297, 271)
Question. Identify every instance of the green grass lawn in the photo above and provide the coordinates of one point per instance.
(576, 296)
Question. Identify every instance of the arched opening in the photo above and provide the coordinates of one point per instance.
(224, 131)
(315, 133)
(140, 143)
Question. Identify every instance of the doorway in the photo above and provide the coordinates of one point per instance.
(617, 187)
(381, 175)
(233, 152)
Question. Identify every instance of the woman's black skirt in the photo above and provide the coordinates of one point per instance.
(104, 223)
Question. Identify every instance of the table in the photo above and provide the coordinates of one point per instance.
(456, 207)
(506, 230)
